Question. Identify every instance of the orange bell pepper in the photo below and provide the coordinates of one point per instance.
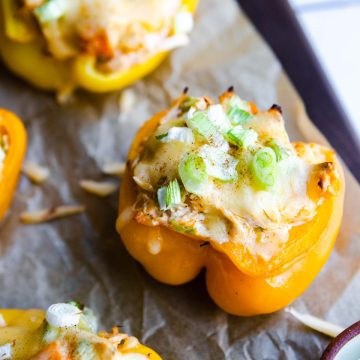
(238, 282)
(13, 131)
(25, 331)
(23, 50)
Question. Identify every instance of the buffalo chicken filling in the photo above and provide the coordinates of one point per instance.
(68, 331)
(119, 33)
(227, 172)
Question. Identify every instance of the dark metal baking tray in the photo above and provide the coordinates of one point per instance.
(277, 23)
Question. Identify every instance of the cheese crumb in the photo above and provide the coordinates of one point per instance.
(36, 173)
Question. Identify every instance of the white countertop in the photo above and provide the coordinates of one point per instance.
(333, 28)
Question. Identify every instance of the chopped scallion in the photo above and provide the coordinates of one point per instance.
(238, 110)
(241, 137)
(192, 171)
(182, 228)
(281, 152)
(199, 121)
(63, 315)
(263, 166)
(77, 304)
(161, 196)
(173, 194)
(236, 101)
(188, 103)
(218, 118)
(51, 333)
(85, 350)
(238, 116)
(181, 134)
(88, 321)
(161, 136)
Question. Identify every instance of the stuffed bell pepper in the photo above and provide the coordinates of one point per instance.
(97, 45)
(12, 151)
(219, 185)
(65, 331)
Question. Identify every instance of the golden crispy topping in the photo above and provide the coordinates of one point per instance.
(328, 178)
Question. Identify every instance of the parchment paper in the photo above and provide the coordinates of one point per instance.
(83, 258)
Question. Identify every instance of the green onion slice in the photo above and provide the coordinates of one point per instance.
(238, 116)
(188, 103)
(85, 350)
(192, 171)
(219, 164)
(218, 118)
(181, 134)
(263, 167)
(239, 103)
(199, 121)
(161, 136)
(281, 152)
(182, 228)
(170, 195)
(242, 137)
(238, 111)
(88, 321)
(173, 194)
(51, 10)
(50, 334)
(79, 305)
(161, 196)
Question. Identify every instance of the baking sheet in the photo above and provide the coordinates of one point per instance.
(82, 257)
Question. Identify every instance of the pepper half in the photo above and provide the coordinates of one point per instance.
(23, 49)
(13, 142)
(238, 281)
(26, 334)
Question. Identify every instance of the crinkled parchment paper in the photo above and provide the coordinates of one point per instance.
(82, 257)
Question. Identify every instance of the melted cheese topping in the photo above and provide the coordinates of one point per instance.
(119, 33)
(235, 210)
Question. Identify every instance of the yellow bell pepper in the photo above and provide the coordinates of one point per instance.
(25, 330)
(14, 135)
(23, 50)
(238, 282)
